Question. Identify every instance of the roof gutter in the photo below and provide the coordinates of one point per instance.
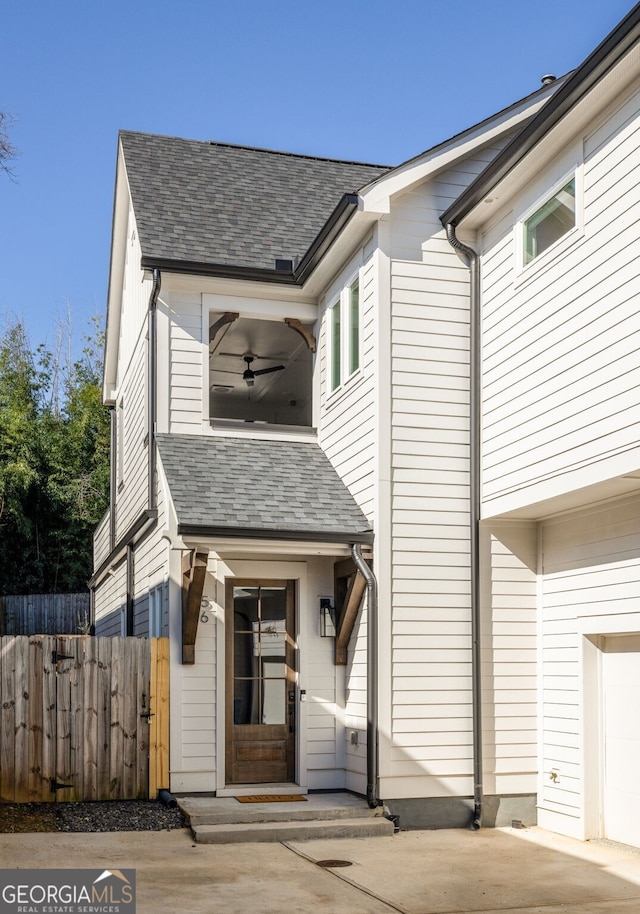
(304, 536)
(325, 238)
(579, 83)
(475, 379)
(373, 766)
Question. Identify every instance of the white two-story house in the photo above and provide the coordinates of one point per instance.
(364, 427)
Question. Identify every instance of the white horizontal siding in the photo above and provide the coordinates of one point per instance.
(151, 568)
(561, 340)
(431, 689)
(186, 352)
(356, 706)
(508, 632)
(102, 539)
(110, 601)
(197, 699)
(132, 490)
(591, 569)
(136, 292)
(347, 423)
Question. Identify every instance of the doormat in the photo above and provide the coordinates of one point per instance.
(273, 798)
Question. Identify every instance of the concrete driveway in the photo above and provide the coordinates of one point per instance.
(413, 872)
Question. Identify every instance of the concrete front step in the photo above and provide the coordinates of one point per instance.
(369, 827)
(228, 811)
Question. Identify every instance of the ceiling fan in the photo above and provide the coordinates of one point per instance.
(249, 375)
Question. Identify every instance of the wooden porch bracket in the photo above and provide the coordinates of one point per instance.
(304, 332)
(227, 318)
(194, 570)
(350, 586)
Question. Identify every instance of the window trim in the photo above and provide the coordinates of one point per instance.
(346, 366)
(568, 238)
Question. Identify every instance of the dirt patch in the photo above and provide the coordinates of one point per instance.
(118, 815)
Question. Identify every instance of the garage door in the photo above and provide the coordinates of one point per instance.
(621, 685)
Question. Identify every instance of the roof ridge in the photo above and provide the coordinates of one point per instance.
(261, 149)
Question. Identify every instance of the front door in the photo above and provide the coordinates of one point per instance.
(260, 682)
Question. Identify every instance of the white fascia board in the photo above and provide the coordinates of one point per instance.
(121, 205)
(377, 197)
(235, 288)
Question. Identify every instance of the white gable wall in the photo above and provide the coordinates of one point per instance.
(560, 414)
(561, 337)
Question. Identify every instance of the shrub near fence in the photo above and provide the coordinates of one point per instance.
(83, 718)
(45, 614)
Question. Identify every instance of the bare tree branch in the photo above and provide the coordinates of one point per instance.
(8, 151)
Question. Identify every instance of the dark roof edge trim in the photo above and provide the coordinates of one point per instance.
(225, 271)
(307, 536)
(319, 246)
(338, 219)
(602, 59)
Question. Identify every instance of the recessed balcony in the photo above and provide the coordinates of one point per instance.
(260, 372)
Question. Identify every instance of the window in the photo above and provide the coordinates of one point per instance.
(354, 327)
(550, 222)
(336, 345)
(344, 336)
(155, 612)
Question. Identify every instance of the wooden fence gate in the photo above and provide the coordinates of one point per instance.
(83, 718)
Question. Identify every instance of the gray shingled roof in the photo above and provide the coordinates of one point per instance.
(251, 486)
(213, 203)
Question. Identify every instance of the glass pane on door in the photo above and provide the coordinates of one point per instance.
(259, 662)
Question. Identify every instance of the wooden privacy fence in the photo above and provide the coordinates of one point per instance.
(45, 613)
(83, 718)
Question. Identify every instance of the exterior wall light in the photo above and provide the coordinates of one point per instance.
(327, 618)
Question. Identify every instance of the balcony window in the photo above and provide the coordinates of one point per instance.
(260, 373)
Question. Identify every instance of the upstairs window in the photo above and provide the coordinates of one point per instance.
(550, 222)
(344, 336)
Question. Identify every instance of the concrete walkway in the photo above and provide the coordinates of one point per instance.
(430, 872)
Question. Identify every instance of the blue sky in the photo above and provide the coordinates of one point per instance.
(370, 81)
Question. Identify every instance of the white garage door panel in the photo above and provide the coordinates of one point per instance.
(621, 686)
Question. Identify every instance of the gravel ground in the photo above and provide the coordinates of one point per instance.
(117, 815)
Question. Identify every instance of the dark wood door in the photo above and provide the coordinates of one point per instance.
(260, 682)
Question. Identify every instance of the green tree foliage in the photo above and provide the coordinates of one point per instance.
(54, 465)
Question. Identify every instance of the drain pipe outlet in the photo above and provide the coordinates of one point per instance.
(372, 675)
(474, 514)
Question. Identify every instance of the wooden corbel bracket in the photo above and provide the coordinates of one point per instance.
(304, 332)
(194, 570)
(350, 587)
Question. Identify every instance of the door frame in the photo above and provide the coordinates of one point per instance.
(268, 733)
(592, 630)
(296, 571)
